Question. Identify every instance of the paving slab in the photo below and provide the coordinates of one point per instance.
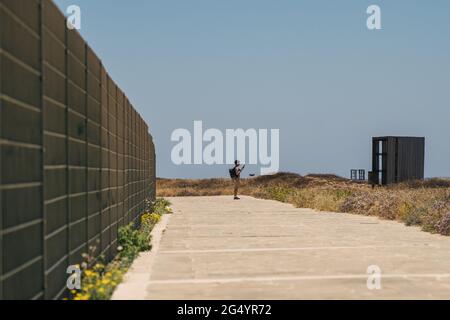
(218, 248)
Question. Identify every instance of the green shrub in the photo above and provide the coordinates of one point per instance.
(424, 207)
(415, 217)
(161, 202)
(443, 226)
(330, 200)
(437, 209)
(131, 242)
(279, 193)
(100, 281)
(342, 194)
(161, 206)
(323, 199)
(302, 198)
(150, 219)
(404, 209)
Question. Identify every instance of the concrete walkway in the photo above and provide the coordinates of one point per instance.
(217, 248)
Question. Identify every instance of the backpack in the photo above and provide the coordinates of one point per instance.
(233, 173)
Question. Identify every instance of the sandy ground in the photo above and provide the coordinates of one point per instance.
(217, 248)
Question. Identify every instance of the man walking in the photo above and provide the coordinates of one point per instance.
(235, 174)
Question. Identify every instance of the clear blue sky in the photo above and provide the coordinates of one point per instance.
(309, 68)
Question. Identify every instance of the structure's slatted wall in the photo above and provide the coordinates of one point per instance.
(126, 161)
(1, 153)
(76, 161)
(384, 161)
(403, 158)
(77, 136)
(21, 150)
(104, 177)
(390, 157)
(112, 128)
(120, 162)
(93, 152)
(55, 143)
(411, 155)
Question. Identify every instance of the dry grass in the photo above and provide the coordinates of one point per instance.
(423, 203)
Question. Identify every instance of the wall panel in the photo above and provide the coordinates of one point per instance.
(76, 160)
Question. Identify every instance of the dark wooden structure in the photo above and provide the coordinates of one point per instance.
(76, 159)
(357, 175)
(397, 159)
